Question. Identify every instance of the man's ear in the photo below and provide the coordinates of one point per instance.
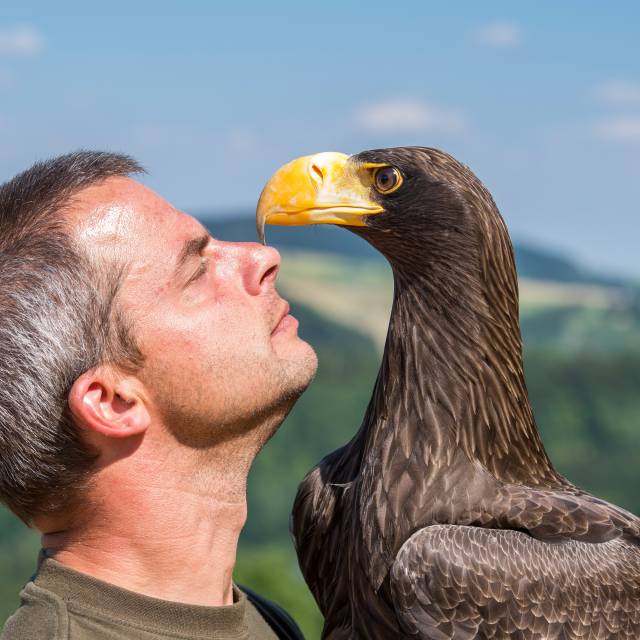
(108, 404)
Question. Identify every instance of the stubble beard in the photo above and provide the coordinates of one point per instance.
(248, 427)
(245, 440)
(296, 378)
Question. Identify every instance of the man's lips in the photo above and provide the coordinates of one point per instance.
(284, 321)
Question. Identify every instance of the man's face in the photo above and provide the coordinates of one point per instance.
(221, 352)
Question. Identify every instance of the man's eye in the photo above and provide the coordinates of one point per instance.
(202, 269)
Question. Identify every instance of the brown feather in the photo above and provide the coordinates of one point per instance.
(444, 517)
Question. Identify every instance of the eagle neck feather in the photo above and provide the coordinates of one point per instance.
(450, 418)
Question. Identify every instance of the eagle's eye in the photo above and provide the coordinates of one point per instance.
(387, 179)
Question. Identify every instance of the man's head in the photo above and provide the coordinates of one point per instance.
(119, 314)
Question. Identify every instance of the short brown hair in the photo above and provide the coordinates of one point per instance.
(58, 319)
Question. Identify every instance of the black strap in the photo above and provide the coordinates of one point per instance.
(275, 616)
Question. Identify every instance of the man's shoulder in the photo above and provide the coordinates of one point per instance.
(38, 616)
(42, 615)
(282, 624)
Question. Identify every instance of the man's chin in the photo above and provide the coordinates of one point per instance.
(310, 369)
(296, 376)
(276, 414)
(299, 373)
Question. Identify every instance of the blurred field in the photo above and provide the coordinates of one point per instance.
(355, 293)
(358, 293)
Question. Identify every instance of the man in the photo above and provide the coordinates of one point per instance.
(144, 364)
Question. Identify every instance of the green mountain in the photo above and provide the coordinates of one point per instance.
(582, 358)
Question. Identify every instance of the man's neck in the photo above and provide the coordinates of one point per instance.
(166, 531)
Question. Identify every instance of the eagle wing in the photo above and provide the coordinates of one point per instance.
(316, 536)
(459, 582)
(317, 527)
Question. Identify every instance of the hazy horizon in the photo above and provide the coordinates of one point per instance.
(242, 213)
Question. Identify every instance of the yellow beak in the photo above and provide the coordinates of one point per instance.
(321, 189)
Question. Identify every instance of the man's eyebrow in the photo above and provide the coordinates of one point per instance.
(191, 247)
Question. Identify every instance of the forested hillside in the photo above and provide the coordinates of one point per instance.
(582, 359)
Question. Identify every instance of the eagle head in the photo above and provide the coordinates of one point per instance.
(414, 204)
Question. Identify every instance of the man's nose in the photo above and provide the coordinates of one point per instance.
(258, 265)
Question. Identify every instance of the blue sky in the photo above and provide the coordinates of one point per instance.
(541, 99)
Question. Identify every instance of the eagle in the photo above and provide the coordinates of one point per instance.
(443, 518)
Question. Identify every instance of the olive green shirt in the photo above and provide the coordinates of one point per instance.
(64, 604)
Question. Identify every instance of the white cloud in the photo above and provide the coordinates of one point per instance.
(405, 115)
(21, 41)
(619, 129)
(500, 34)
(620, 93)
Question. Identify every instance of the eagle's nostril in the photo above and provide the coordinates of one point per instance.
(317, 174)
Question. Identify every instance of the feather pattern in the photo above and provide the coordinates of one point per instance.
(444, 517)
